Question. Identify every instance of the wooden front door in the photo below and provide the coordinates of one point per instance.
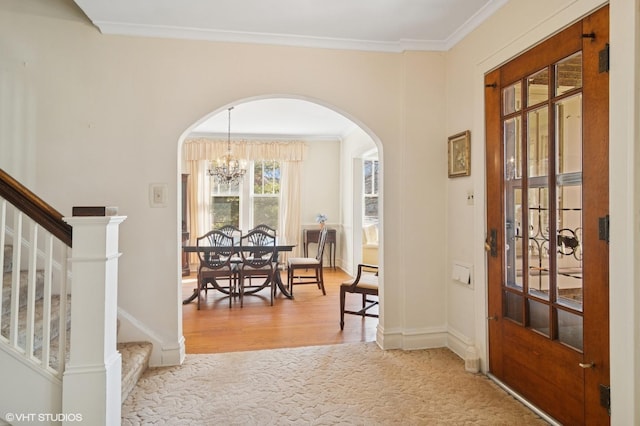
(547, 222)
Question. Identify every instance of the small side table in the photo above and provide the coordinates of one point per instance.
(310, 236)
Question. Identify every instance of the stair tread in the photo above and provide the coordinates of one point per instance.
(135, 360)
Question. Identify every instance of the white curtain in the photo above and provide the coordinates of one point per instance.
(211, 149)
(290, 223)
(198, 198)
(199, 152)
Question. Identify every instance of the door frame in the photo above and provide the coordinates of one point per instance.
(625, 131)
(501, 54)
(599, 19)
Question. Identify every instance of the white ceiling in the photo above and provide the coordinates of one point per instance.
(370, 25)
(380, 25)
(281, 117)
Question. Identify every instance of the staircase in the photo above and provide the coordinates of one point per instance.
(51, 368)
(135, 355)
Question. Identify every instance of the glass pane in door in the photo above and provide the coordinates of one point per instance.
(538, 259)
(513, 307)
(569, 275)
(514, 239)
(569, 74)
(513, 148)
(569, 135)
(538, 87)
(538, 141)
(539, 317)
(570, 329)
(512, 98)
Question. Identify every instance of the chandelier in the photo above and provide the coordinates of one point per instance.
(227, 168)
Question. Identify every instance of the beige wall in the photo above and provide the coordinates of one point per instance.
(94, 119)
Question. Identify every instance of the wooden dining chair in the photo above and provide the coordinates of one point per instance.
(296, 264)
(257, 260)
(366, 284)
(231, 231)
(215, 252)
(266, 228)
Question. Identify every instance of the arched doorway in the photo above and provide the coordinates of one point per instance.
(326, 187)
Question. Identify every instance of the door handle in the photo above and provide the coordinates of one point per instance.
(587, 365)
(491, 242)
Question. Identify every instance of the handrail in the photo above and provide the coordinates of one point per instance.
(34, 207)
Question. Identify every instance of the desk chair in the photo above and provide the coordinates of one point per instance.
(365, 284)
(296, 263)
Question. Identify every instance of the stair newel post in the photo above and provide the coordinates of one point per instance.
(92, 379)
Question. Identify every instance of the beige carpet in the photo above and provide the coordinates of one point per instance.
(347, 384)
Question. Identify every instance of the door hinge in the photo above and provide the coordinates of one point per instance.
(605, 397)
(603, 228)
(603, 59)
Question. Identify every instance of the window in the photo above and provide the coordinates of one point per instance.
(370, 175)
(225, 204)
(266, 193)
(253, 201)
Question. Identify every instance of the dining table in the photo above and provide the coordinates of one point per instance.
(277, 278)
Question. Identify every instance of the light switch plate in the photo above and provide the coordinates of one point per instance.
(158, 194)
(470, 198)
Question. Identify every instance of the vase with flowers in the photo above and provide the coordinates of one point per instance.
(321, 219)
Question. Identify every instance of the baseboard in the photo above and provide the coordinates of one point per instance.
(436, 337)
(163, 354)
(458, 342)
(427, 338)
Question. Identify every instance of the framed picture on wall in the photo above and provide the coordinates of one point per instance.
(460, 154)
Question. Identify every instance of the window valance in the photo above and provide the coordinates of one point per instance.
(210, 149)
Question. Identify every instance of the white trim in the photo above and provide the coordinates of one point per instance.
(426, 338)
(164, 31)
(458, 342)
(163, 353)
(90, 259)
(32, 363)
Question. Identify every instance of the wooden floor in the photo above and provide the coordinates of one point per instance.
(309, 319)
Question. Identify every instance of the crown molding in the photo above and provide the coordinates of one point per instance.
(158, 31)
(185, 33)
(473, 22)
(399, 46)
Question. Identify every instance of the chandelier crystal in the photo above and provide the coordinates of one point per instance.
(227, 168)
